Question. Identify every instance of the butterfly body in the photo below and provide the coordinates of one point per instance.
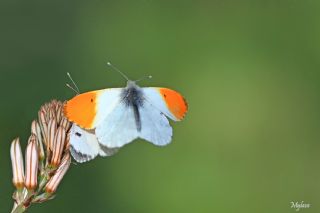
(132, 96)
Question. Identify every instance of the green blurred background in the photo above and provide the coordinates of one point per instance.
(250, 71)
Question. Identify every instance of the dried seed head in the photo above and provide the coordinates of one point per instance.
(53, 183)
(49, 133)
(17, 164)
(32, 160)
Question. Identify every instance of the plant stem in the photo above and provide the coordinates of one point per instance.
(18, 208)
(23, 201)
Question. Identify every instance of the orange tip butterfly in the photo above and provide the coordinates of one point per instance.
(105, 120)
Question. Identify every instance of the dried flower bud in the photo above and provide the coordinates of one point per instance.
(43, 125)
(52, 129)
(53, 183)
(35, 129)
(67, 145)
(17, 164)
(58, 114)
(59, 141)
(65, 123)
(52, 113)
(32, 160)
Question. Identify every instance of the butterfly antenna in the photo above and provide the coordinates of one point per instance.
(75, 85)
(144, 77)
(70, 87)
(116, 69)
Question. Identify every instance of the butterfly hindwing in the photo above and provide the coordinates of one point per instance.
(155, 127)
(84, 145)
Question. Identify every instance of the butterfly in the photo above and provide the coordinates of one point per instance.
(110, 118)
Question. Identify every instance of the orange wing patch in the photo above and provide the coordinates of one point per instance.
(82, 109)
(175, 102)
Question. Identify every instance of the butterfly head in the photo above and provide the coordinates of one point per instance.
(131, 84)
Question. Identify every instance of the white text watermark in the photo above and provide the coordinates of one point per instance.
(299, 205)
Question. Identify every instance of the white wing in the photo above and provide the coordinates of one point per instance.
(85, 146)
(118, 128)
(155, 127)
(107, 101)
